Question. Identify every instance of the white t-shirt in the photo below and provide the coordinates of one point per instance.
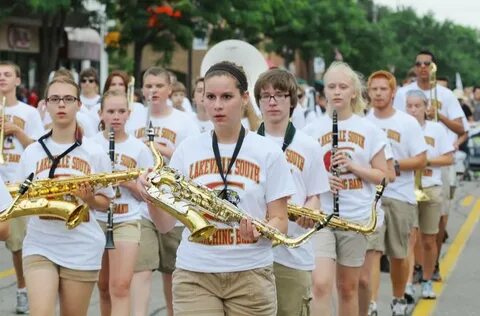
(129, 154)
(450, 106)
(29, 120)
(310, 178)
(89, 102)
(205, 126)
(5, 197)
(187, 106)
(80, 248)
(170, 131)
(298, 116)
(361, 140)
(260, 175)
(435, 136)
(403, 134)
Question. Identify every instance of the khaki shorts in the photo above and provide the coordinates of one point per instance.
(399, 221)
(168, 245)
(148, 258)
(293, 290)
(447, 191)
(37, 262)
(429, 212)
(347, 248)
(18, 229)
(244, 293)
(126, 231)
(375, 240)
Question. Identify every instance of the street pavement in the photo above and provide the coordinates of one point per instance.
(459, 290)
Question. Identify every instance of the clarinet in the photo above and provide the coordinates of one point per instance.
(109, 233)
(334, 168)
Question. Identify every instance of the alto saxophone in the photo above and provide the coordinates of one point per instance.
(336, 222)
(169, 187)
(45, 197)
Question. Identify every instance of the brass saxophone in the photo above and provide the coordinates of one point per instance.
(170, 187)
(46, 197)
(336, 222)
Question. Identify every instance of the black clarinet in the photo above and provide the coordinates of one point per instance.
(334, 168)
(110, 244)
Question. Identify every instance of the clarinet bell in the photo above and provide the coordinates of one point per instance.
(110, 244)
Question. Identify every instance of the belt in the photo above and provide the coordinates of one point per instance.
(226, 236)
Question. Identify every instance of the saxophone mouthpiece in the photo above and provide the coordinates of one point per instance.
(25, 185)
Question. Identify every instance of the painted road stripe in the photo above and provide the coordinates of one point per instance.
(427, 307)
(7, 273)
(467, 201)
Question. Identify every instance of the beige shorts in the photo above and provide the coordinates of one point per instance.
(447, 190)
(167, 247)
(148, 258)
(18, 229)
(429, 212)
(244, 293)
(293, 290)
(375, 240)
(125, 231)
(399, 221)
(37, 262)
(347, 248)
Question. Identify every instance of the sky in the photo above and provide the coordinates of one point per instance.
(464, 12)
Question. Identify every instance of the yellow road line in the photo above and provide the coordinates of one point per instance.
(467, 201)
(427, 307)
(7, 273)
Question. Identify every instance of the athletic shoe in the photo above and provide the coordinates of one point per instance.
(372, 309)
(409, 294)
(427, 291)
(417, 274)
(436, 277)
(399, 307)
(22, 302)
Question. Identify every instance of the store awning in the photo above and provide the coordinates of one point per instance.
(83, 43)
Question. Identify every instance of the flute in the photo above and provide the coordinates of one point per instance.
(110, 244)
(334, 168)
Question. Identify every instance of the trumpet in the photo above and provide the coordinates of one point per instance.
(435, 103)
(46, 196)
(2, 131)
(336, 222)
(171, 189)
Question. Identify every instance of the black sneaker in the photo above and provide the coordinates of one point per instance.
(436, 274)
(417, 274)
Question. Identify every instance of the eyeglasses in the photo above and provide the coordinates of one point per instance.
(85, 80)
(277, 97)
(67, 99)
(420, 63)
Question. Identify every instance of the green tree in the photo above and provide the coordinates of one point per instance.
(53, 16)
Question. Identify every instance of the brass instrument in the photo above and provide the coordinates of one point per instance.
(336, 222)
(42, 197)
(2, 131)
(169, 187)
(420, 195)
(434, 102)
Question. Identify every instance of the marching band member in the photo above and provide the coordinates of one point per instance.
(5, 200)
(118, 264)
(450, 116)
(439, 153)
(57, 261)
(118, 80)
(276, 93)
(361, 165)
(21, 127)
(231, 275)
(158, 251)
(201, 116)
(398, 201)
(89, 88)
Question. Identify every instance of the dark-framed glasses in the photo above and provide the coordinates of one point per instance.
(277, 97)
(67, 99)
(420, 63)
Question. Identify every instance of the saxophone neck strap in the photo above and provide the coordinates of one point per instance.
(56, 160)
(287, 139)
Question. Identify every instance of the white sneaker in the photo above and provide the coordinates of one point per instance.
(427, 291)
(410, 293)
(399, 307)
(22, 302)
(372, 309)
